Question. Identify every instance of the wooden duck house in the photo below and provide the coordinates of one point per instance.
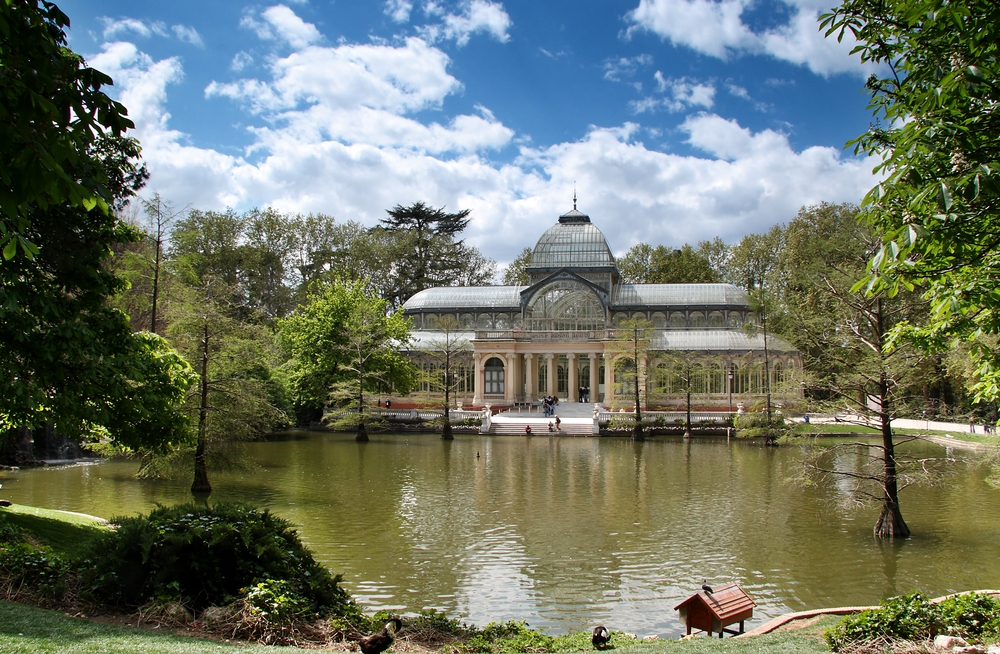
(717, 610)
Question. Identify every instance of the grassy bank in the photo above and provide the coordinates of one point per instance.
(29, 629)
(25, 628)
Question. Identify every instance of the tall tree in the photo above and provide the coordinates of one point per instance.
(644, 264)
(346, 347)
(427, 250)
(937, 136)
(844, 334)
(160, 214)
(516, 274)
(629, 346)
(52, 115)
(446, 349)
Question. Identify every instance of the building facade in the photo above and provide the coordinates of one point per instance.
(562, 334)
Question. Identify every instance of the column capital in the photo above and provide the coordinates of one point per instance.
(571, 356)
(528, 356)
(593, 356)
(549, 356)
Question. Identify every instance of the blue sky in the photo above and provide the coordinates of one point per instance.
(675, 120)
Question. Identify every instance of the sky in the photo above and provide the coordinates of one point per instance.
(674, 121)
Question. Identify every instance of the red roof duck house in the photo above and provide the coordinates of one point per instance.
(714, 611)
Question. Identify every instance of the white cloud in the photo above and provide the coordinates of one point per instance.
(335, 132)
(116, 28)
(279, 23)
(399, 10)
(475, 16)
(188, 35)
(716, 28)
(616, 69)
(681, 94)
(240, 61)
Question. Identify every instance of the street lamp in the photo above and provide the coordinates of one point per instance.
(729, 374)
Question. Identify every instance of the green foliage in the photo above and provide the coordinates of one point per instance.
(645, 264)
(756, 425)
(936, 137)
(516, 274)
(913, 618)
(512, 637)
(207, 556)
(52, 115)
(27, 569)
(974, 615)
(275, 601)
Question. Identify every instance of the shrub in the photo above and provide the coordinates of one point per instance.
(275, 601)
(9, 532)
(909, 617)
(29, 570)
(974, 616)
(511, 637)
(206, 556)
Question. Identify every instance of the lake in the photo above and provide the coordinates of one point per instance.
(570, 532)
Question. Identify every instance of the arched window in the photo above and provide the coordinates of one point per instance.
(564, 305)
(502, 321)
(677, 320)
(716, 319)
(493, 375)
(659, 320)
(778, 374)
(430, 321)
(696, 320)
(717, 379)
(734, 320)
(467, 321)
(484, 321)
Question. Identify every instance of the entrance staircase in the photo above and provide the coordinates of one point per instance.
(577, 419)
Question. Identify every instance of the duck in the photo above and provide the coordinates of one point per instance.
(378, 643)
(600, 637)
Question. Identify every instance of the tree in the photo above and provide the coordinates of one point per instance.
(644, 264)
(937, 136)
(52, 115)
(344, 345)
(629, 348)
(446, 349)
(160, 214)
(843, 335)
(516, 274)
(427, 253)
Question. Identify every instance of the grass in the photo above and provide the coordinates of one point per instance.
(28, 629)
(66, 533)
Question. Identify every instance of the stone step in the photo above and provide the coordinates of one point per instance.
(539, 427)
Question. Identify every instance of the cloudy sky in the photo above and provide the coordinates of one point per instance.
(675, 120)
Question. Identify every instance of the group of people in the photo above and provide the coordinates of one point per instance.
(549, 405)
(584, 393)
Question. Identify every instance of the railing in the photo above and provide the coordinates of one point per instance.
(522, 335)
(669, 417)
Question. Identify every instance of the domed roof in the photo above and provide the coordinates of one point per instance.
(573, 242)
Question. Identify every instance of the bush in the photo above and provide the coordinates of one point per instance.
(755, 425)
(511, 637)
(913, 618)
(26, 570)
(974, 616)
(275, 601)
(206, 556)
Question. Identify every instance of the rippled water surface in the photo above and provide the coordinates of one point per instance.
(570, 532)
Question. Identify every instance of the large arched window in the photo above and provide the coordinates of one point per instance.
(564, 305)
(493, 374)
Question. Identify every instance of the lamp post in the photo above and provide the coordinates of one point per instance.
(729, 374)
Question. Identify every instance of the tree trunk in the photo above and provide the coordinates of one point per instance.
(890, 522)
(446, 427)
(200, 485)
(362, 436)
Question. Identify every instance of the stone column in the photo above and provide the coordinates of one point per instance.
(593, 381)
(572, 393)
(609, 380)
(551, 377)
(478, 381)
(509, 378)
(530, 377)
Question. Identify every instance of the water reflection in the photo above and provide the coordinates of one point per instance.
(570, 532)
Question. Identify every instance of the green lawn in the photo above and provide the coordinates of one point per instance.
(64, 532)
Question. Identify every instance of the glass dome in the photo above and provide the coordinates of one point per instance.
(573, 242)
(564, 305)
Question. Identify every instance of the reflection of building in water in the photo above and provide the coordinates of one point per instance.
(557, 335)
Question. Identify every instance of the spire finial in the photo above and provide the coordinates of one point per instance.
(574, 196)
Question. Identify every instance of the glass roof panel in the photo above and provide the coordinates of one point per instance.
(717, 339)
(672, 295)
(466, 298)
(571, 245)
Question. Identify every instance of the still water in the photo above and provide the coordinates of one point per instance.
(568, 532)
